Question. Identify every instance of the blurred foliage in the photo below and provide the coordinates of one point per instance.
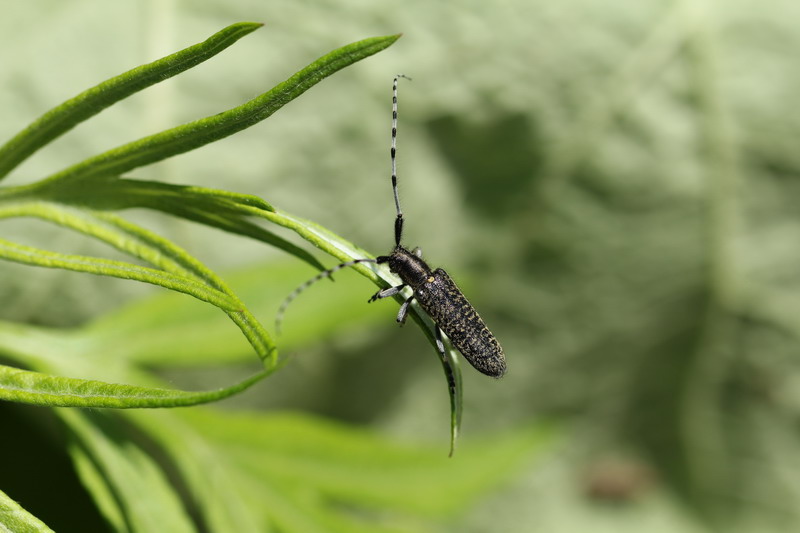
(203, 469)
(612, 182)
(153, 473)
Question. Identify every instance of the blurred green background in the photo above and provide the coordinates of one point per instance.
(610, 182)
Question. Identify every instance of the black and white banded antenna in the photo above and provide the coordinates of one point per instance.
(295, 293)
(398, 223)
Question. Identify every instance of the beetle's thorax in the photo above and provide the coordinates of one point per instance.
(411, 268)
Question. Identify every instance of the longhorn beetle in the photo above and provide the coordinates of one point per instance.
(435, 290)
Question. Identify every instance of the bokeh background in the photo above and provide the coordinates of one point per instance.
(612, 184)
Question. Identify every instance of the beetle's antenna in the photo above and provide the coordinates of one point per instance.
(398, 222)
(324, 274)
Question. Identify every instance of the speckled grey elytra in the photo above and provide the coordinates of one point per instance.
(447, 306)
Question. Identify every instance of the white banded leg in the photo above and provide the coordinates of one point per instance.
(385, 293)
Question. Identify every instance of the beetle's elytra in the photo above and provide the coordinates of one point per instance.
(435, 290)
(447, 306)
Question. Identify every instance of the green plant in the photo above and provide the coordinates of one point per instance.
(127, 481)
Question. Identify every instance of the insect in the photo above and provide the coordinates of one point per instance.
(435, 290)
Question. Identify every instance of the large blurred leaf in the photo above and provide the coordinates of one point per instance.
(304, 474)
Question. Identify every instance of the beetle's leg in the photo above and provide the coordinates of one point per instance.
(385, 293)
(439, 342)
(403, 312)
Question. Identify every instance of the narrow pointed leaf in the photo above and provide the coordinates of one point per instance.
(176, 269)
(66, 116)
(242, 227)
(201, 132)
(452, 373)
(35, 388)
(119, 269)
(119, 233)
(212, 207)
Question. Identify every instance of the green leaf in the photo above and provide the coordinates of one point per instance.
(15, 519)
(215, 208)
(174, 268)
(452, 373)
(177, 270)
(66, 116)
(134, 491)
(119, 233)
(105, 267)
(54, 391)
(195, 134)
(303, 474)
(169, 330)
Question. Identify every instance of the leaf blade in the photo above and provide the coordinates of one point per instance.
(85, 105)
(105, 267)
(175, 268)
(14, 518)
(192, 135)
(142, 493)
(215, 208)
(35, 388)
